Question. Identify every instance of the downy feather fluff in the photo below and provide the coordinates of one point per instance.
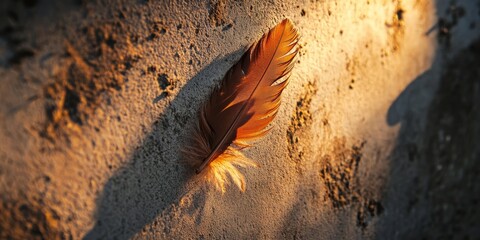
(241, 107)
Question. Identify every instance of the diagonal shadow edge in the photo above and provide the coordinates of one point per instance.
(155, 177)
(422, 150)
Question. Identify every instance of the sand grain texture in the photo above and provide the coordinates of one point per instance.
(370, 141)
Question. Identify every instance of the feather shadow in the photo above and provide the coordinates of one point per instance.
(154, 179)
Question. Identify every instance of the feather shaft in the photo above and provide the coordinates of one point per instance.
(240, 109)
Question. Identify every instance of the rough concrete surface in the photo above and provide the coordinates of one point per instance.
(377, 135)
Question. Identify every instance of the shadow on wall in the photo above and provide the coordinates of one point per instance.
(154, 179)
(433, 189)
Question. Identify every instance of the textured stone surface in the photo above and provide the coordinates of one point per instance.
(376, 136)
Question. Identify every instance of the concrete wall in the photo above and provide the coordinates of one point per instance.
(98, 97)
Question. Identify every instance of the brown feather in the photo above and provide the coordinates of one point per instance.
(240, 109)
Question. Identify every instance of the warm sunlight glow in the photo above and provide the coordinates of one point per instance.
(218, 171)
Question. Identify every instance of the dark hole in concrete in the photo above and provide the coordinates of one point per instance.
(163, 81)
(303, 13)
(227, 27)
(71, 104)
(400, 13)
(111, 42)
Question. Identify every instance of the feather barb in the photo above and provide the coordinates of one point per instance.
(241, 107)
